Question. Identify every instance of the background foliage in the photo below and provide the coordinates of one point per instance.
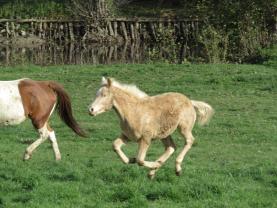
(33, 8)
(238, 29)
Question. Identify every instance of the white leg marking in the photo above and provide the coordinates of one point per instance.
(52, 138)
(43, 134)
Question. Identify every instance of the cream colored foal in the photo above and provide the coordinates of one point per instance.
(144, 118)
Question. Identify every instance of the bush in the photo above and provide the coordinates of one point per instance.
(31, 9)
(215, 44)
(268, 56)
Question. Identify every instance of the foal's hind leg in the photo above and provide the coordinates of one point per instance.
(43, 135)
(169, 149)
(189, 141)
(117, 144)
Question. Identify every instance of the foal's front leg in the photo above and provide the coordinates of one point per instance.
(143, 147)
(117, 144)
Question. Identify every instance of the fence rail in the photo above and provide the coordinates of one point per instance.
(126, 28)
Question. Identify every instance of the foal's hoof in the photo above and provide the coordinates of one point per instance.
(58, 158)
(151, 176)
(26, 157)
(178, 173)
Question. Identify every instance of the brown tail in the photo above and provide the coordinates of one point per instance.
(64, 108)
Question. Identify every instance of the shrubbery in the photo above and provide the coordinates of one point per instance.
(231, 31)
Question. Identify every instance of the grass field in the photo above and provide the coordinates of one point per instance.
(233, 162)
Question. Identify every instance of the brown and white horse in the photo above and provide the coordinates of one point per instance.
(144, 118)
(26, 98)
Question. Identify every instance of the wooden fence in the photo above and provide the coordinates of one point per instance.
(129, 29)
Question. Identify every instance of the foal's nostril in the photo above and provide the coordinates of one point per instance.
(91, 109)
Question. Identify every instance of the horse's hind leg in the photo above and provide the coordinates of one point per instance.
(44, 132)
(52, 138)
(117, 144)
(43, 135)
(169, 149)
(189, 141)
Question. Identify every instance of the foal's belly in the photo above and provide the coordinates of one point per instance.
(11, 107)
(130, 134)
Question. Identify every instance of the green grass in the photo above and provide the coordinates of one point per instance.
(232, 163)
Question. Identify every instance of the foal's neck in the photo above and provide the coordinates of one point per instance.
(124, 102)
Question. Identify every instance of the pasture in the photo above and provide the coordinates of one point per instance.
(233, 162)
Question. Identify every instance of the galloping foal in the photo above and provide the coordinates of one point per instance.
(24, 98)
(144, 118)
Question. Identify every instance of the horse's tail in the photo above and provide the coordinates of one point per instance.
(204, 111)
(65, 109)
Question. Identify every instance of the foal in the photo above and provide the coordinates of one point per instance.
(26, 98)
(144, 118)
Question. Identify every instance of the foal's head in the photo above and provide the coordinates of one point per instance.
(104, 98)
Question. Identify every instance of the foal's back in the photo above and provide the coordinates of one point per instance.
(171, 102)
(163, 113)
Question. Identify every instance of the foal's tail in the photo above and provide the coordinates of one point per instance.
(204, 111)
(64, 108)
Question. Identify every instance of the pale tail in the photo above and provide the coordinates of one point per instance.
(204, 111)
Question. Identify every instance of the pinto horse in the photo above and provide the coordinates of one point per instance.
(26, 98)
(144, 118)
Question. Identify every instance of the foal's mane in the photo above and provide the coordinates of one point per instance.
(130, 88)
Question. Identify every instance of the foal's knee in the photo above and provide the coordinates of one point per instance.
(190, 142)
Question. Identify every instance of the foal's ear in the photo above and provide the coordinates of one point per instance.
(109, 82)
(103, 81)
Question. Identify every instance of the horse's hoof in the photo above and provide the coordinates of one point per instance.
(178, 173)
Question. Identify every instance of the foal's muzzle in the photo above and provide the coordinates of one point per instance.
(90, 111)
